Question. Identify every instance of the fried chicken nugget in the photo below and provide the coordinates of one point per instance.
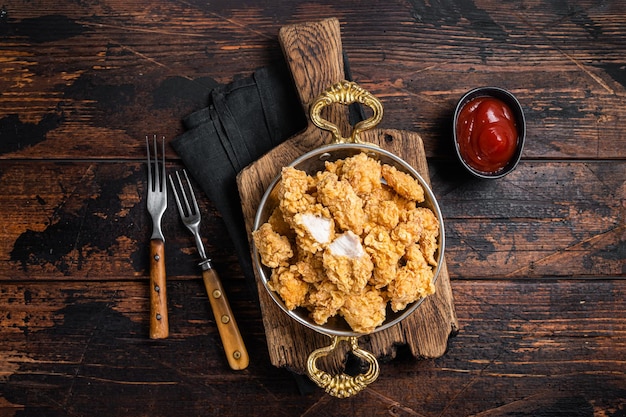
(380, 209)
(385, 253)
(293, 192)
(274, 249)
(342, 201)
(414, 280)
(286, 282)
(347, 264)
(364, 312)
(410, 228)
(334, 166)
(404, 184)
(279, 224)
(324, 301)
(428, 238)
(311, 267)
(314, 228)
(362, 172)
(404, 203)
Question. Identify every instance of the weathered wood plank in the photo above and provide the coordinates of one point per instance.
(99, 77)
(87, 221)
(545, 219)
(523, 346)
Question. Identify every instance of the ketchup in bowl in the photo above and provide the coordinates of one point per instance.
(486, 134)
(489, 132)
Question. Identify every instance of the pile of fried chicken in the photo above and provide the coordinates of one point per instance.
(350, 240)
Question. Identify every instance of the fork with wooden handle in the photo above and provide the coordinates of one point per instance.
(236, 352)
(157, 203)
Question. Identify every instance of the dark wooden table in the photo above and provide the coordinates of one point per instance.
(537, 259)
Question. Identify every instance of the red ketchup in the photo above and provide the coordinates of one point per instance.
(486, 134)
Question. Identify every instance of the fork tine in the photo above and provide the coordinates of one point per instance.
(163, 174)
(157, 182)
(176, 197)
(193, 195)
(149, 164)
(189, 212)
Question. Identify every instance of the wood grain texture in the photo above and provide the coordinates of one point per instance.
(159, 323)
(523, 347)
(558, 218)
(230, 335)
(109, 76)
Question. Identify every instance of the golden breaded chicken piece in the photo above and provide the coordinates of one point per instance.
(324, 301)
(383, 213)
(286, 281)
(311, 267)
(404, 184)
(347, 264)
(409, 229)
(428, 239)
(363, 173)
(382, 209)
(334, 166)
(389, 203)
(293, 192)
(279, 225)
(342, 201)
(404, 204)
(386, 254)
(415, 256)
(314, 228)
(414, 280)
(364, 312)
(273, 248)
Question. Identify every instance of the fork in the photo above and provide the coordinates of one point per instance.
(157, 203)
(234, 347)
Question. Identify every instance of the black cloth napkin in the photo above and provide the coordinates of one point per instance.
(243, 120)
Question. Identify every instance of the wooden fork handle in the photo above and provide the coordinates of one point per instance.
(236, 352)
(159, 325)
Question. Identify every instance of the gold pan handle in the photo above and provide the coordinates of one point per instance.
(346, 93)
(343, 385)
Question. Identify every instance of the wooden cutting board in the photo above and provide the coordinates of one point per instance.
(314, 54)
